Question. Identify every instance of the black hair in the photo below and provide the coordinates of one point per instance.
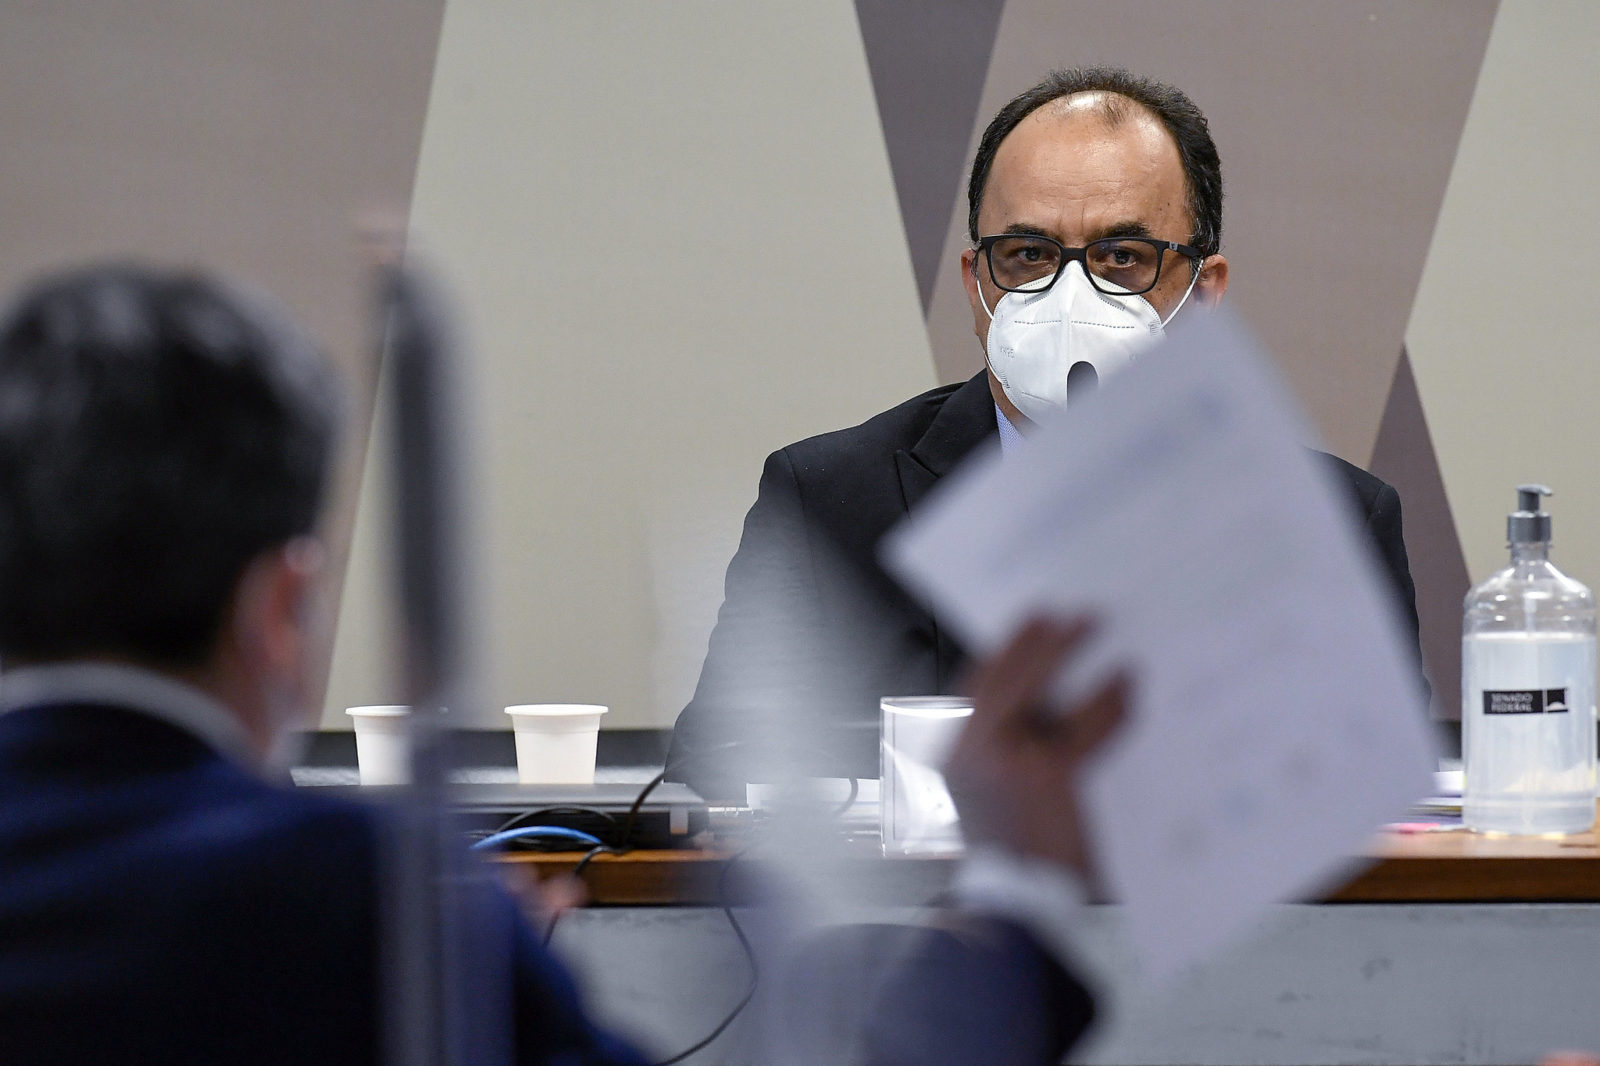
(1202, 168)
(158, 431)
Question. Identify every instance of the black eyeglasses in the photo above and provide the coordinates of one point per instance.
(1116, 266)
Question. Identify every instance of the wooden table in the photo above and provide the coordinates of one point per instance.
(1463, 867)
(1464, 949)
(1433, 867)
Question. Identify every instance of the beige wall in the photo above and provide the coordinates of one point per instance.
(1503, 332)
(676, 246)
(233, 134)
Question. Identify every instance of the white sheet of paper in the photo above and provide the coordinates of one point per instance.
(1277, 719)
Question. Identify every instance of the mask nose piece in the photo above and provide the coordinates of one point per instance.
(1082, 380)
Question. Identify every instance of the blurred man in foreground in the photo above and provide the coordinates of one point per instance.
(165, 446)
(164, 450)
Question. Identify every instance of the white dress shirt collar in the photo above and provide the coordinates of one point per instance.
(130, 688)
(1010, 435)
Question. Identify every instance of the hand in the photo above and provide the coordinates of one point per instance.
(1014, 771)
(544, 899)
(1571, 1058)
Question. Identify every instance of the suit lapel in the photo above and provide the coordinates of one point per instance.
(965, 421)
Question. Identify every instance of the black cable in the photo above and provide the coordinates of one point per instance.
(850, 800)
(633, 811)
(577, 871)
(722, 894)
(569, 808)
(591, 854)
(750, 958)
(738, 931)
(622, 846)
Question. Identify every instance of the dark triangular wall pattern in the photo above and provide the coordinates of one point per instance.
(1404, 457)
(928, 60)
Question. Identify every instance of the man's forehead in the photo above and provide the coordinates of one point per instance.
(1085, 147)
(1108, 110)
(1110, 106)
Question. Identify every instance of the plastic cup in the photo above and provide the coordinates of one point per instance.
(918, 815)
(556, 742)
(383, 744)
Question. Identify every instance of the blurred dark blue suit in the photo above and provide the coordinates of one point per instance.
(161, 904)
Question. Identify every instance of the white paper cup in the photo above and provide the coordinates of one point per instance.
(556, 742)
(383, 744)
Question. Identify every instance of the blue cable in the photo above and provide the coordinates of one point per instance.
(542, 832)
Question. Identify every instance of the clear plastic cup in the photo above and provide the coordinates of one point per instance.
(918, 815)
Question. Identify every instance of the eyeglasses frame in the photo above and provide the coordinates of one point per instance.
(986, 245)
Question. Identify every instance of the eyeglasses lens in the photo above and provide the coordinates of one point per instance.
(1024, 264)
(1129, 265)
(1030, 264)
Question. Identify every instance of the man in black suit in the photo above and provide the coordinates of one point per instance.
(1095, 213)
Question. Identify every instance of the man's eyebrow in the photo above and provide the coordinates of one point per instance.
(1130, 228)
(1024, 229)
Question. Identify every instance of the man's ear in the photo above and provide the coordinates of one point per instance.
(969, 281)
(268, 618)
(1213, 281)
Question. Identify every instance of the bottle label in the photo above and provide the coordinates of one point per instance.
(1525, 701)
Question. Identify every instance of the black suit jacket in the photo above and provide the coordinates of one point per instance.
(812, 631)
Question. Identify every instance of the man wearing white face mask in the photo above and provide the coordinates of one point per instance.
(1069, 316)
(1095, 218)
(1095, 214)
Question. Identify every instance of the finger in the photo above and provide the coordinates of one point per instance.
(562, 892)
(1009, 682)
(1571, 1058)
(1097, 719)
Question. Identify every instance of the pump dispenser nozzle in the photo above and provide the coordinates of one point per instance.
(1529, 524)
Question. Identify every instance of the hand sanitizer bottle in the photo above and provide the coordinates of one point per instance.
(1528, 689)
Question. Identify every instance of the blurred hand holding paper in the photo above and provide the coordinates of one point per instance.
(1277, 719)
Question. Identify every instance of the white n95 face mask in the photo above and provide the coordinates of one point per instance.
(1052, 347)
